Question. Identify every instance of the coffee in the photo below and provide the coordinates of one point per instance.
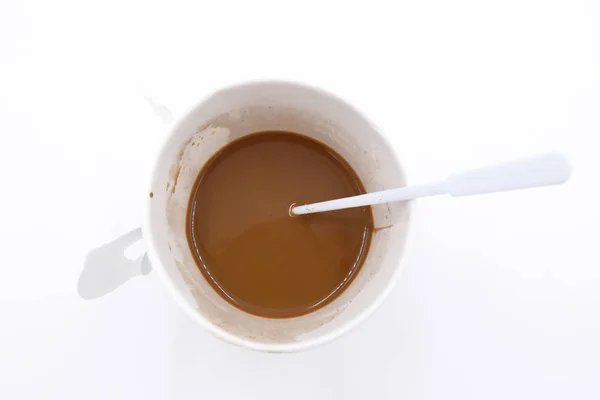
(248, 247)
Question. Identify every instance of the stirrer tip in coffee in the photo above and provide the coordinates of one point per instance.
(290, 210)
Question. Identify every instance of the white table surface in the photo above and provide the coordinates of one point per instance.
(501, 296)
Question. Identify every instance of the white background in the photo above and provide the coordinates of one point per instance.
(501, 296)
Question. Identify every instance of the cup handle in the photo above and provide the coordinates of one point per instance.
(106, 267)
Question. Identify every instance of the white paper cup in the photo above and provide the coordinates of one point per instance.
(224, 116)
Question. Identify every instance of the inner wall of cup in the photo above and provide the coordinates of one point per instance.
(234, 113)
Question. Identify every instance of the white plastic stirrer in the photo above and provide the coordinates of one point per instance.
(543, 170)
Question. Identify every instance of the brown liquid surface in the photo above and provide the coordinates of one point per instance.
(248, 247)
